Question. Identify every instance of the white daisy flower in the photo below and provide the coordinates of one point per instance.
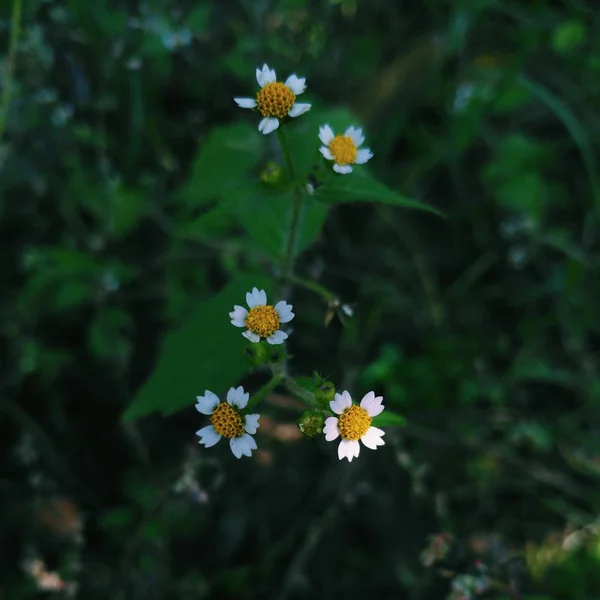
(262, 320)
(227, 421)
(354, 423)
(343, 149)
(275, 100)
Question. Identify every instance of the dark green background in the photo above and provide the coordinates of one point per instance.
(481, 328)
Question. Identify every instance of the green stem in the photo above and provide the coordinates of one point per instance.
(288, 262)
(297, 390)
(264, 390)
(15, 31)
(313, 287)
(287, 157)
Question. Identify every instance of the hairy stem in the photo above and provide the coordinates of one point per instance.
(265, 389)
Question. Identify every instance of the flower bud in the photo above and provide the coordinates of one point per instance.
(311, 423)
(325, 393)
(272, 174)
(256, 354)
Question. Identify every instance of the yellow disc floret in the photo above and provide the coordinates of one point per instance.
(354, 422)
(343, 149)
(263, 320)
(275, 100)
(227, 421)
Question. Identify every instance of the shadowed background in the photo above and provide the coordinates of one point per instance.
(481, 328)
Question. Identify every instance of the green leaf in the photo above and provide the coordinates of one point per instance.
(205, 353)
(214, 222)
(577, 131)
(361, 187)
(387, 417)
(222, 162)
(267, 219)
(109, 334)
(126, 210)
(522, 192)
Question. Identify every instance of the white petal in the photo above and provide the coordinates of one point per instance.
(372, 404)
(331, 429)
(372, 438)
(250, 335)
(295, 84)
(326, 134)
(374, 410)
(242, 445)
(238, 446)
(245, 102)
(342, 449)
(362, 156)
(342, 169)
(260, 296)
(251, 423)
(238, 316)
(277, 338)
(268, 125)
(254, 298)
(207, 403)
(264, 76)
(356, 135)
(348, 449)
(251, 441)
(270, 76)
(326, 152)
(284, 311)
(341, 402)
(299, 108)
(208, 436)
(236, 397)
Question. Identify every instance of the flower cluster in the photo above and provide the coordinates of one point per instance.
(276, 100)
(230, 420)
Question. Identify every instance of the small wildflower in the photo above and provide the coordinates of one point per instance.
(343, 149)
(262, 320)
(275, 100)
(438, 548)
(228, 421)
(354, 424)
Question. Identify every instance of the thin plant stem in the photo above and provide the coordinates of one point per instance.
(265, 389)
(288, 262)
(313, 287)
(15, 32)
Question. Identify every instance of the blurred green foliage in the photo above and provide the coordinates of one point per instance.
(132, 220)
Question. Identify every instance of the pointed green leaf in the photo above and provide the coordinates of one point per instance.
(361, 187)
(267, 218)
(222, 162)
(387, 417)
(205, 353)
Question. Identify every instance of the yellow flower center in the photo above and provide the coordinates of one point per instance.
(275, 100)
(343, 149)
(354, 422)
(227, 421)
(263, 320)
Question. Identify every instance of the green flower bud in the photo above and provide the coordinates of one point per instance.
(272, 174)
(256, 354)
(311, 423)
(325, 393)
